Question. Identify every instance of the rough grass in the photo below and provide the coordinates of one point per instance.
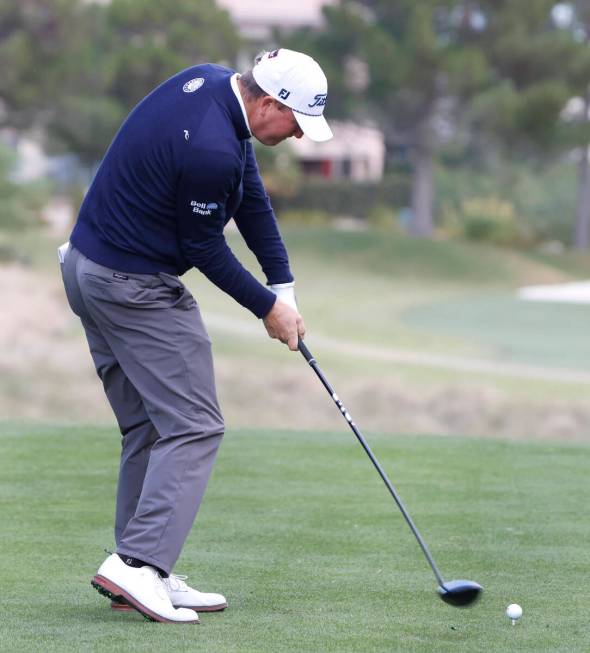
(300, 534)
(372, 290)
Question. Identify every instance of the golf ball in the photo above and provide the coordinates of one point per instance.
(514, 612)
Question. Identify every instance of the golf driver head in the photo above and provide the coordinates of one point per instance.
(460, 593)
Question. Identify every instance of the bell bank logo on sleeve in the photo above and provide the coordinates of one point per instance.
(204, 208)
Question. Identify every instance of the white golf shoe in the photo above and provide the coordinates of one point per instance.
(141, 588)
(183, 596)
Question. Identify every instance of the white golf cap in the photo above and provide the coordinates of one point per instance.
(296, 80)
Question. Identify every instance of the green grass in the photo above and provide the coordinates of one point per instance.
(409, 259)
(298, 531)
(512, 330)
(376, 289)
(395, 291)
(449, 297)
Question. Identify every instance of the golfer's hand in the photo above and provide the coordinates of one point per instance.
(284, 324)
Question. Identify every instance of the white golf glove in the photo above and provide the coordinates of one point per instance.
(286, 293)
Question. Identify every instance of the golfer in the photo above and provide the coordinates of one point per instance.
(180, 167)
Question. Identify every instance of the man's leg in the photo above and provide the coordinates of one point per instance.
(153, 327)
(139, 434)
(141, 587)
(138, 431)
(135, 426)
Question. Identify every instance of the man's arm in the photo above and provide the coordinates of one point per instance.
(256, 221)
(202, 196)
(201, 217)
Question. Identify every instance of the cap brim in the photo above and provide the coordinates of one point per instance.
(314, 127)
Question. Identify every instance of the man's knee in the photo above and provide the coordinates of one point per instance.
(201, 425)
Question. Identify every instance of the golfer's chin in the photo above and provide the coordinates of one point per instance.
(270, 140)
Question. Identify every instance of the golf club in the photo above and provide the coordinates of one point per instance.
(459, 593)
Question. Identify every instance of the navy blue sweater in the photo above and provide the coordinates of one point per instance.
(179, 168)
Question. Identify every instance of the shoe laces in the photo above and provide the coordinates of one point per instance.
(175, 582)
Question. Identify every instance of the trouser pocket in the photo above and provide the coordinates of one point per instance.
(139, 291)
(185, 300)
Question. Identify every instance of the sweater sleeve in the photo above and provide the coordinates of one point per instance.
(202, 197)
(257, 223)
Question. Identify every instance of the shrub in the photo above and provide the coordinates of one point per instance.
(344, 197)
(543, 198)
(486, 219)
(20, 203)
(306, 217)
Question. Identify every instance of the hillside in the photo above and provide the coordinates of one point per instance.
(417, 336)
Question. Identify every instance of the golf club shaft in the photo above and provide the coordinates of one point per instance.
(313, 364)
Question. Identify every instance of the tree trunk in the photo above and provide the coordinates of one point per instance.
(582, 229)
(422, 222)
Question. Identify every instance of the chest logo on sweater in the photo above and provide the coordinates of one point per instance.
(194, 85)
(204, 208)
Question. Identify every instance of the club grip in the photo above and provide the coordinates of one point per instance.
(304, 351)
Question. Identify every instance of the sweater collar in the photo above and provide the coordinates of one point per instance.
(236, 90)
(236, 108)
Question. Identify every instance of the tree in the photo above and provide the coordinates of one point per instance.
(422, 59)
(74, 69)
(140, 43)
(496, 71)
(150, 40)
(541, 63)
(41, 42)
(574, 18)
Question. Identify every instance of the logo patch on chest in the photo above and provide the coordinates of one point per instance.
(204, 208)
(193, 85)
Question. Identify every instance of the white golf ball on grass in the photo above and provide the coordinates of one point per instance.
(514, 612)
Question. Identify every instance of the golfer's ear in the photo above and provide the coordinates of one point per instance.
(266, 103)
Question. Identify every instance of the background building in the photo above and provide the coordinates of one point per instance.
(256, 19)
(356, 153)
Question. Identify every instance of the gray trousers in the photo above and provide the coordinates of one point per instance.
(153, 355)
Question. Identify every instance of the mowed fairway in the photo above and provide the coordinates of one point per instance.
(299, 532)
